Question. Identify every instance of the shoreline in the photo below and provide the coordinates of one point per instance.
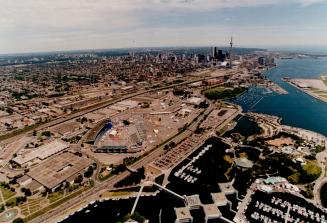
(318, 191)
(308, 92)
(82, 206)
(275, 121)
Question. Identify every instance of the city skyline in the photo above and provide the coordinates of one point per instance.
(36, 26)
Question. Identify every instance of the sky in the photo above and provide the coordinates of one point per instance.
(56, 25)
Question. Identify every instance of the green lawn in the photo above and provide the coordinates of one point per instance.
(54, 204)
(319, 149)
(7, 193)
(312, 168)
(55, 196)
(223, 93)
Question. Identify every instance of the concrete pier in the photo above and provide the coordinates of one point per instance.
(211, 211)
(183, 215)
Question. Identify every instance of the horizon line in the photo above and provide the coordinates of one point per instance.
(266, 48)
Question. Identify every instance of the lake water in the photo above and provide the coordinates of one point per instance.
(295, 108)
(245, 126)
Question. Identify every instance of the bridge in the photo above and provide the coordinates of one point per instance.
(169, 191)
(159, 186)
(137, 199)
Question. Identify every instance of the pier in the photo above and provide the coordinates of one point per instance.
(169, 191)
(137, 199)
(192, 202)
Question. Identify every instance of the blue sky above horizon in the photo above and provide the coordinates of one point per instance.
(44, 25)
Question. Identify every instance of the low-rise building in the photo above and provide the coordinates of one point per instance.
(42, 152)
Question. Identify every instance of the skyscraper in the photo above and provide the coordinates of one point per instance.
(213, 52)
(221, 56)
(230, 52)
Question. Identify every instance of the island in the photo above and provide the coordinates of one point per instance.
(317, 88)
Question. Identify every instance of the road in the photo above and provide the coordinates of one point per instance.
(88, 196)
(94, 108)
(108, 184)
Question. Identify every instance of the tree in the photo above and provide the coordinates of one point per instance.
(18, 220)
(138, 217)
(46, 133)
(26, 191)
(83, 120)
(78, 179)
(141, 171)
(34, 133)
(2, 208)
(89, 172)
(203, 104)
(126, 122)
(172, 144)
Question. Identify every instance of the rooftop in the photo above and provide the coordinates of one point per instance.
(55, 170)
(42, 152)
(219, 199)
(211, 211)
(227, 188)
(183, 214)
(193, 200)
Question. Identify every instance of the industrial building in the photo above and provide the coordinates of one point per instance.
(41, 153)
(58, 169)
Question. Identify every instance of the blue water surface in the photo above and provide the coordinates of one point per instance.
(295, 108)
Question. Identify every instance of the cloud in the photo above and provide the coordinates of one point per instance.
(109, 13)
(53, 22)
(309, 2)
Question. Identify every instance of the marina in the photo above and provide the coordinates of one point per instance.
(282, 207)
(189, 167)
(206, 183)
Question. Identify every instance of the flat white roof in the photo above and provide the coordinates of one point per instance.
(195, 100)
(42, 152)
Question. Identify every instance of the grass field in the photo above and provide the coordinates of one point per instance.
(223, 93)
(7, 193)
(33, 205)
(311, 168)
(53, 205)
(55, 196)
